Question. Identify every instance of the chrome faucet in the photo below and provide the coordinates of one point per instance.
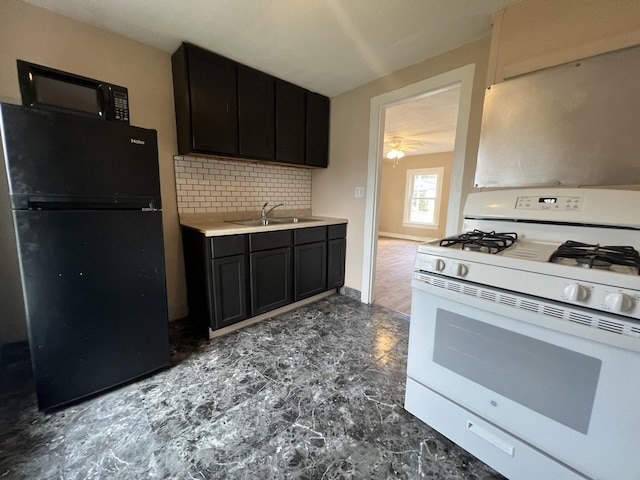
(264, 215)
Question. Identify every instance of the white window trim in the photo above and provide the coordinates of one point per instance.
(408, 195)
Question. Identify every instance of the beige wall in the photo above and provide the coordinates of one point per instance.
(45, 38)
(535, 34)
(333, 188)
(392, 194)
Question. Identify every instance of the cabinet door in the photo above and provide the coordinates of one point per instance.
(310, 267)
(290, 123)
(197, 255)
(335, 262)
(214, 103)
(256, 113)
(317, 141)
(270, 279)
(229, 290)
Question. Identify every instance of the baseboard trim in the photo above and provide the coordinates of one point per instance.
(351, 293)
(271, 314)
(405, 237)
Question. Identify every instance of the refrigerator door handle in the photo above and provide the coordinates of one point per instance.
(43, 203)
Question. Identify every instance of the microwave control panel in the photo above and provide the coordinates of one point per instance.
(121, 106)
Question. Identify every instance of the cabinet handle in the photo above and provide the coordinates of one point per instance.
(491, 438)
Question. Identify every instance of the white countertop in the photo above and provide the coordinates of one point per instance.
(217, 228)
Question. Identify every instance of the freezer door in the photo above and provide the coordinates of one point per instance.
(94, 285)
(51, 154)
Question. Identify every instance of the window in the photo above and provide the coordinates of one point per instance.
(422, 200)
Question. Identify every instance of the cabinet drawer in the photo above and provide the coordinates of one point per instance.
(309, 235)
(228, 245)
(268, 240)
(337, 231)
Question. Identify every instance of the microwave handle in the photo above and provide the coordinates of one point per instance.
(104, 100)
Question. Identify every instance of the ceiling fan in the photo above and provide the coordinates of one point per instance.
(396, 147)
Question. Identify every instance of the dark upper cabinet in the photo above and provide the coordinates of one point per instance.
(206, 101)
(290, 123)
(256, 113)
(317, 130)
(227, 109)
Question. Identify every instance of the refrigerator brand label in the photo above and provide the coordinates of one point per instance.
(137, 142)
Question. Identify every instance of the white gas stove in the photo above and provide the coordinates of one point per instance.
(525, 333)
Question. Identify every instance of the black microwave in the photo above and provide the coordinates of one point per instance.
(45, 87)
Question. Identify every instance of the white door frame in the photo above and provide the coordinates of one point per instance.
(462, 76)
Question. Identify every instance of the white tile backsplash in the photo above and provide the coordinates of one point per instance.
(208, 185)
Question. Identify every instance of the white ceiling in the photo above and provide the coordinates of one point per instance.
(425, 125)
(327, 46)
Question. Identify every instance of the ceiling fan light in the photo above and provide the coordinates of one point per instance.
(399, 154)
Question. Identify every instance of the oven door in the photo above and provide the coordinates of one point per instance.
(571, 398)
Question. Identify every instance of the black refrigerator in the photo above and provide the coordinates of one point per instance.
(84, 198)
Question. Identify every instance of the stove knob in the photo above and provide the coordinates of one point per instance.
(461, 269)
(438, 265)
(575, 292)
(618, 302)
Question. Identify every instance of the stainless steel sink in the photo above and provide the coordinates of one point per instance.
(292, 220)
(273, 221)
(254, 223)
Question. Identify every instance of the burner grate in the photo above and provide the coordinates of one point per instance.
(596, 256)
(477, 240)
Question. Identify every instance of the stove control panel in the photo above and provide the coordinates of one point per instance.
(578, 291)
(560, 203)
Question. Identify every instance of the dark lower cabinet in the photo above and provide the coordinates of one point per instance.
(337, 249)
(270, 279)
(233, 277)
(335, 264)
(310, 264)
(229, 290)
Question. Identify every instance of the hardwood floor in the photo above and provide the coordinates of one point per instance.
(394, 268)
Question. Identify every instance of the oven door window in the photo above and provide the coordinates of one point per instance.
(553, 381)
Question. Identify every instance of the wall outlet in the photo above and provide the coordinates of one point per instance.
(359, 192)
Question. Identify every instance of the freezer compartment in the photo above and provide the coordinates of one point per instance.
(57, 154)
(95, 294)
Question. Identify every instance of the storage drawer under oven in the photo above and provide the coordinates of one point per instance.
(504, 452)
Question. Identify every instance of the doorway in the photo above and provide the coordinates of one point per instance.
(463, 77)
(419, 140)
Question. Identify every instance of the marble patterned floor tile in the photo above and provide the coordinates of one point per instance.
(315, 393)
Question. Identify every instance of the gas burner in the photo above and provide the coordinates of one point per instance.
(479, 241)
(590, 262)
(596, 256)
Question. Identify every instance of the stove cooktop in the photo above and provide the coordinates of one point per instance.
(621, 259)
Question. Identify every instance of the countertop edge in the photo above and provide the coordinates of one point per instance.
(219, 229)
